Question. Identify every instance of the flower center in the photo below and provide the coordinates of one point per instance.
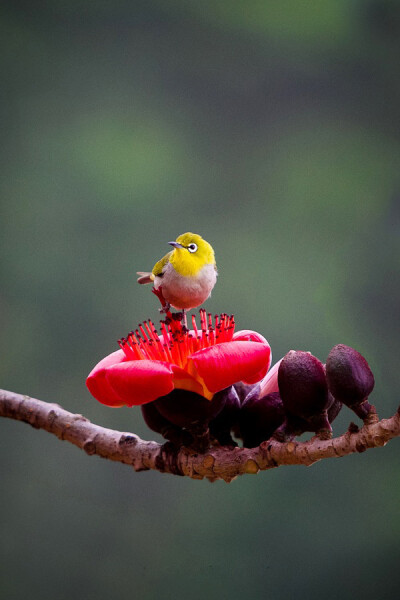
(175, 343)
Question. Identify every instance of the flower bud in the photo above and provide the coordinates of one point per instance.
(226, 421)
(244, 389)
(187, 409)
(304, 393)
(156, 422)
(259, 417)
(350, 379)
(302, 384)
(183, 417)
(334, 408)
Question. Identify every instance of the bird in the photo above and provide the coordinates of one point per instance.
(186, 275)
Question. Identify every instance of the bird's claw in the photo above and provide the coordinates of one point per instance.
(165, 309)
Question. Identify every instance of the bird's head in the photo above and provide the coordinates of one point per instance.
(191, 253)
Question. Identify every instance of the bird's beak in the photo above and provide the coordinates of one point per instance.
(175, 244)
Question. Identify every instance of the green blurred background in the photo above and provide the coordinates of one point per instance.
(271, 128)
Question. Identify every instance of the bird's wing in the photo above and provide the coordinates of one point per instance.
(159, 267)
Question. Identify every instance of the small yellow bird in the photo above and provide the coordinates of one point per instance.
(186, 275)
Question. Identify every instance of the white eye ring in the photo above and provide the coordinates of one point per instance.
(192, 247)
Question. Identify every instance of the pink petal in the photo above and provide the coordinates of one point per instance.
(224, 364)
(252, 336)
(270, 382)
(97, 383)
(249, 335)
(140, 381)
(112, 359)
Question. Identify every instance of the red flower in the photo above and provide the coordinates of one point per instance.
(150, 365)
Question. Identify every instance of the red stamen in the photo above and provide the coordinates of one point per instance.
(133, 350)
(175, 354)
(141, 343)
(178, 344)
(149, 332)
(202, 339)
(143, 332)
(154, 331)
(143, 349)
(150, 350)
(203, 319)
(159, 350)
(125, 348)
(181, 352)
(185, 345)
(190, 343)
(167, 353)
(165, 333)
(135, 345)
(195, 326)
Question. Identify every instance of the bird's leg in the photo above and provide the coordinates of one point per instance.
(166, 307)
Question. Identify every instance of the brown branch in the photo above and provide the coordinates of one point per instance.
(217, 463)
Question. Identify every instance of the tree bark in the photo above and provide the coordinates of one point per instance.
(217, 463)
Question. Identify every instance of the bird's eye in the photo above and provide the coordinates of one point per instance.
(192, 247)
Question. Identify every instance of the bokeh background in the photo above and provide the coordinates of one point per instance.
(271, 128)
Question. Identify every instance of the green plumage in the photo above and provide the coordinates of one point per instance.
(160, 265)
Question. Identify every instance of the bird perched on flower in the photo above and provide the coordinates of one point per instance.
(186, 275)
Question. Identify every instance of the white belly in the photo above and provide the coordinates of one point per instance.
(186, 292)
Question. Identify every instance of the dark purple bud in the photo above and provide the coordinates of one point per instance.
(183, 417)
(156, 422)
(302, 384)
(153, 419)
(350, 379)
(244, 389)
(304, 393)
(187, 409)
(334, 409)
(222, 425)
(188, 414)
(259, 417)
(294, 426)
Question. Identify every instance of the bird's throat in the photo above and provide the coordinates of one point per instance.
(184, 263)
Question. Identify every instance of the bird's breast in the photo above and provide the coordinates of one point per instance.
(186, 291)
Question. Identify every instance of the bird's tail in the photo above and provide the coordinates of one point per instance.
(145, 277)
